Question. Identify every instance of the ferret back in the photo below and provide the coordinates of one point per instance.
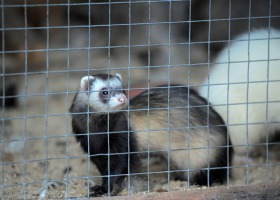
(176, 119)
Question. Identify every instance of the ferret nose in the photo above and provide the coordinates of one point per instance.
(122, 99)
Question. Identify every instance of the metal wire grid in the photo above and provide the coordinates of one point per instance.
(67, 70)
(68, 26)
(47, 72)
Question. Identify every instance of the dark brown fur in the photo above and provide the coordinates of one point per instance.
(191, 121)
(192, 126)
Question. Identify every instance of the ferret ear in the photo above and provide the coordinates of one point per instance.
(119, 76)
(85, 82)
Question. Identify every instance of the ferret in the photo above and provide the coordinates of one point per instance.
(173, 122)
(97, 113)
(243, 86)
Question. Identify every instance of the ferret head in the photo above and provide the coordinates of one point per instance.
(103, 92)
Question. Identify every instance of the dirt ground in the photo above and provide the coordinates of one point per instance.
(254, 192)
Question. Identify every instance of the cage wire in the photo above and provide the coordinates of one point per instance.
(47, 46)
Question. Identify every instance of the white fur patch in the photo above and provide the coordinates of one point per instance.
(257, 60)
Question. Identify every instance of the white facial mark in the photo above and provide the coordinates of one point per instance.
(98, 85)
(114, 83)
(116, 102)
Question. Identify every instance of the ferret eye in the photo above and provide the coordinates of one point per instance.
(105, 92)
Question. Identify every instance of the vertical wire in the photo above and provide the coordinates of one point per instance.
(3, 96)
(67, 106)
(228, 86)
(108, 113)
(208, 108)
(267, 93)
(89, 36)
(168, 91)
(88, 110)
(247, 95)
(46, 93)
(89, 133)
(188, 100)
(148, 91)
(68, 77)
(128, 115)
(26, 95)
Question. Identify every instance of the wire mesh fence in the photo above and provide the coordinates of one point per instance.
(200, 80)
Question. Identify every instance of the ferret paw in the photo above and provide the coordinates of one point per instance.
(97, 191)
